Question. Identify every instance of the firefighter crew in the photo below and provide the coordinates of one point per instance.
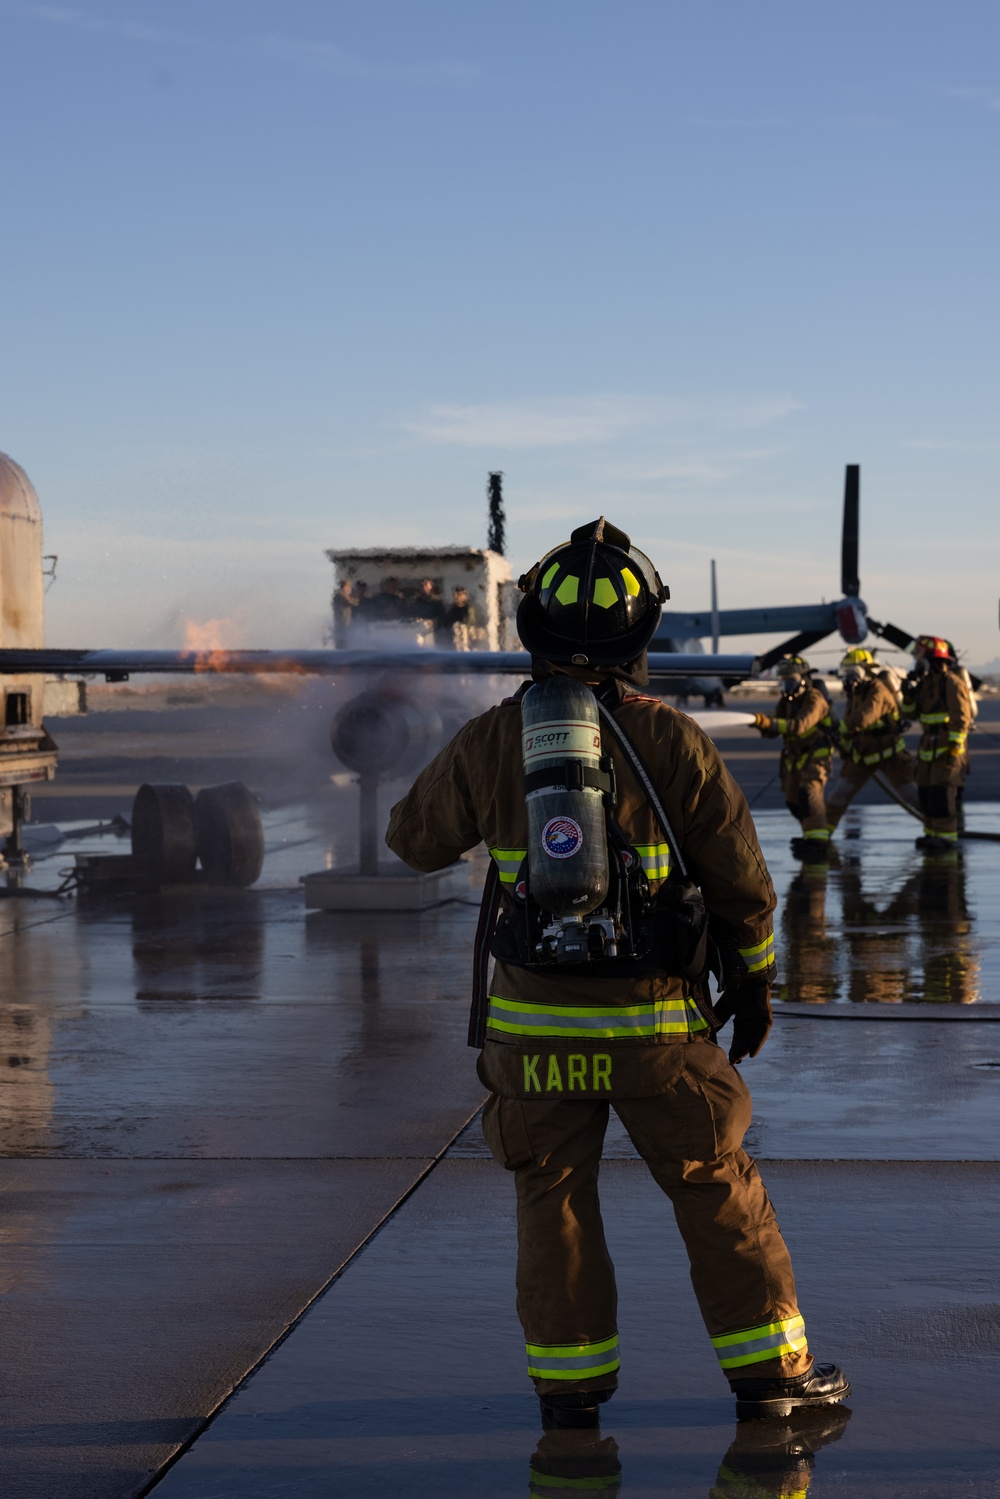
(935, 694)
(561, 1046)
(804, 721)
(871, 738)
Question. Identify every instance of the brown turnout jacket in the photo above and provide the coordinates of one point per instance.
(869, 726)
(803, 722)
(474, 790)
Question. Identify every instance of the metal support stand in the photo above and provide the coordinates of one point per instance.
(20, 812)
(368, 824)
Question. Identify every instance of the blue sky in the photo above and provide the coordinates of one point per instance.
(278, 277)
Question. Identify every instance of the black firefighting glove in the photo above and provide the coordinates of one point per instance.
(750, 1006)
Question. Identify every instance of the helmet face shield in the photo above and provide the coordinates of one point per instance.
(792, 673)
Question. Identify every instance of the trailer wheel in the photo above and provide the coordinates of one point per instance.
(163, 833)
(229, 834)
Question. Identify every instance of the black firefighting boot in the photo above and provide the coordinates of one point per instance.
(574, 1460)
(775, 1459)
(824, 1384)
(578, 1408)
(811, 850)
(930, 843)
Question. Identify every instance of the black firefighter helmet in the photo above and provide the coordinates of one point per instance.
(592, 601)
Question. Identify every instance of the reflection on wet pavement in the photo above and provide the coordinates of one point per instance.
(406, 1380)
(210, 1099)
(881, 923)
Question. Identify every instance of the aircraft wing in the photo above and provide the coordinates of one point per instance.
(118, 666)
(786, 618)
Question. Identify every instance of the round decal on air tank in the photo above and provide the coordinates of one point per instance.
(562, 837)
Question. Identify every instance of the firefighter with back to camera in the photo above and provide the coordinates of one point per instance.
(871, 738)
(620, 845)
(804, 720)
(935, 693)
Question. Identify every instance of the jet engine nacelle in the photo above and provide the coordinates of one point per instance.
(382, 733)
(852, 622)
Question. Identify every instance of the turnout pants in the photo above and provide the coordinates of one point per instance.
(899, 771)
(939, 784)
(690, 1138)
(803, 792)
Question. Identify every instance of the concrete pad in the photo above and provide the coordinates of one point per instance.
(394, 888)
(228, 1024)
(407, 1379)
(135, 1296)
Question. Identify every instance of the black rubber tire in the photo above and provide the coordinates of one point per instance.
(229, 835)
(163, 833)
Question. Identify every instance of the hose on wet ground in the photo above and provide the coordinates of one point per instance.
(966, 833)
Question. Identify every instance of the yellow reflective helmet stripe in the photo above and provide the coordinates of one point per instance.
(632, 587)
(550, 574)
(569, 590)
(605, 596)
(754, 1345)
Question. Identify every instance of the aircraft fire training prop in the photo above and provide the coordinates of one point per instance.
(848, 616)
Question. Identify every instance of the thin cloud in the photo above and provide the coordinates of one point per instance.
(949, 445)
(584, 420)
(133, 31)
(987, 97)
(324, 57)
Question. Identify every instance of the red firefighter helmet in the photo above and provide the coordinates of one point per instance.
(934, 648)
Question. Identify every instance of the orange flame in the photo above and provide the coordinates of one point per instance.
(210, 641)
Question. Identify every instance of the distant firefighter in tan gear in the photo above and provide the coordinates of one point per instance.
(937, 695)
(871, 737)
(582, 782)
(804, 720)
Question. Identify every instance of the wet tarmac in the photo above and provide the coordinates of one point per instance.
(212, 1103)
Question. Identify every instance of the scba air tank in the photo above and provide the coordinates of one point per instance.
(567, 843)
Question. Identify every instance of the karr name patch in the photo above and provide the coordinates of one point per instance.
(582, 1072)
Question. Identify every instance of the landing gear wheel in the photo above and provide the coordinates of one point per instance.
(230, 837)
(163, 837)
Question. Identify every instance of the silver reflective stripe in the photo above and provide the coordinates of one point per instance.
(757, 1344)
(663, 1016)
(569, 1361)
(508, 862)
(655, 859)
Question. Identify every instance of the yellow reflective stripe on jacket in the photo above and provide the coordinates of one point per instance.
(655, 859)
(957, 736)
(572, 1360)
(660, 1017)
(760, 956)
(508, 862)
(933, 718)
(755, 1344)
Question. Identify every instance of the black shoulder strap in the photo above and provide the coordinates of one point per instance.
(488, 913)
(645, 781)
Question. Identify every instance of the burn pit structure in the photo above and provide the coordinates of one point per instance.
(27, 753)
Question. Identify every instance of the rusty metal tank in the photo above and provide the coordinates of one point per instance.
(22, 591)
(27, 754)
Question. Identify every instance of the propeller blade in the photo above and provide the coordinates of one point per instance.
(849, 580)
(892, 633)
(793, 647)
